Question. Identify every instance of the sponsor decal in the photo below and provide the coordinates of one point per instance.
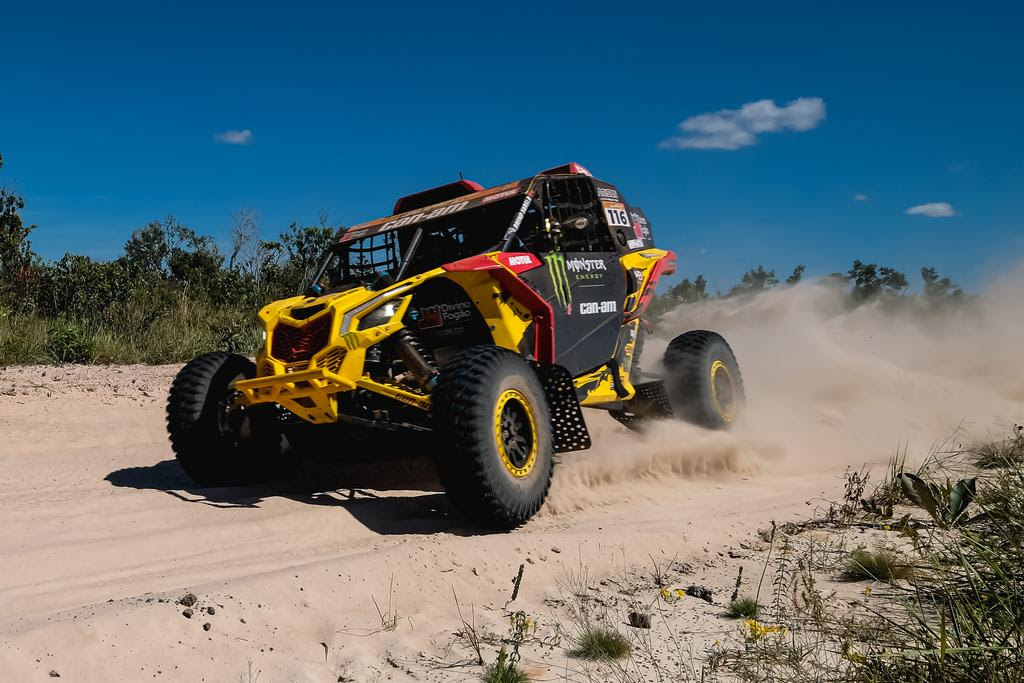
(635, 244)
(425, 215)
(592, 307)
(585, 265)
(518, 220)
(443, 314)
(519, 262)
(559, 279)
(616, 215)
(640, 226)
(457, 331)
(437, 210)
(430, 317)
(354, 233)
(499, 196)
(608, 193)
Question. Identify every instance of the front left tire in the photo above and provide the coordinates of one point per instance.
(493, 430)
(216, 442)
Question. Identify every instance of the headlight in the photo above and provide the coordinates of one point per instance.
(380, 315)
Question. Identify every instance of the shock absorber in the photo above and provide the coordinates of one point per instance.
(416, 357)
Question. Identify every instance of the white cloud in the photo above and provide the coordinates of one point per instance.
(932, 210)
(234, 137)
(735, 128)
(860, 197)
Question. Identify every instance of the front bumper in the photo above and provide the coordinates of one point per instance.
(310, 394)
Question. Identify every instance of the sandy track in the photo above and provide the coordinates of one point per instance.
(101, 532)
(98, 519)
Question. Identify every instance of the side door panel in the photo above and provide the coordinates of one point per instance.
(586, 291)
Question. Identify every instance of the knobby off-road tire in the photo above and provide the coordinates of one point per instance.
(217, 443)
(493, 430)
(703, 380)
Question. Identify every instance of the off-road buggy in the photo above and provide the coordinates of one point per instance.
(478, 322)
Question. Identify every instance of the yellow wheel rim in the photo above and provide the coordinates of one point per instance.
(515, 432)
(723, 392)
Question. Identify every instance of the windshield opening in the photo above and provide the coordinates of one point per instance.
(361, 262)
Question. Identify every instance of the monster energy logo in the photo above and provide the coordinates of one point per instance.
(559, 279)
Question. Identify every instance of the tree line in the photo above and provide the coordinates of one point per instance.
(862, 283)
(174, 293)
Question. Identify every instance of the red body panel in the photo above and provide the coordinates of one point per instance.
(459, 188)
(544, 337)
(568, 169)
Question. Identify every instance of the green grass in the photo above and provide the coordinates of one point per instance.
(878, 565)
(501, 672)
(175, 334)
(1004, 453)
(601, 642)
(742, 607)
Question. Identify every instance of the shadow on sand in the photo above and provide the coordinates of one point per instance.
(364, 494)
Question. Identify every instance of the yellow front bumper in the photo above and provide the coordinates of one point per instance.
(310, 394)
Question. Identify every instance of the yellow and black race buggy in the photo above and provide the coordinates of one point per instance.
(478, 321)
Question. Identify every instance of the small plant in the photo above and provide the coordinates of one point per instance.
(660, 574)
(600, 642)
(945, 503)
(880, 565)
(250, 675)
(742, 607)
(388, 616)
(1007, 452)
(70, 343)
(504, 671)
(468, 634)
(506, 668)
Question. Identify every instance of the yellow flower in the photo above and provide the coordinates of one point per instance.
(867, 590)
(680, 593)
(759, 630)
(665, 594)
(887, 527)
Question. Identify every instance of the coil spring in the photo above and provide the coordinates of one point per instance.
(417, 358)
(412, 339)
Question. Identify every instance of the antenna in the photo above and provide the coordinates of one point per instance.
(460, 176)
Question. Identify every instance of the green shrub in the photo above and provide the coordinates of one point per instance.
(879, 565)
(1006, 452)
(742, 607)
(504, 672)
(69, 342)
(601, 642)
(23, 340)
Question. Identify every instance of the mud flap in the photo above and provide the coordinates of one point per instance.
(568, 428)
(650, 402)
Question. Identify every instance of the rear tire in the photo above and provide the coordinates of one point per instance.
(493, 431)
(703, 380)
(216, 442)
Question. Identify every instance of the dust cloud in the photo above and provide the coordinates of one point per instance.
(827, 384)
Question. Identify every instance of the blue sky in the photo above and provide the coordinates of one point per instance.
(108, 117)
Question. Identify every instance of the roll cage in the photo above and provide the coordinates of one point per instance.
(567, 212)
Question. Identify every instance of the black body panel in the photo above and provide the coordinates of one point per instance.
(586, 292)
